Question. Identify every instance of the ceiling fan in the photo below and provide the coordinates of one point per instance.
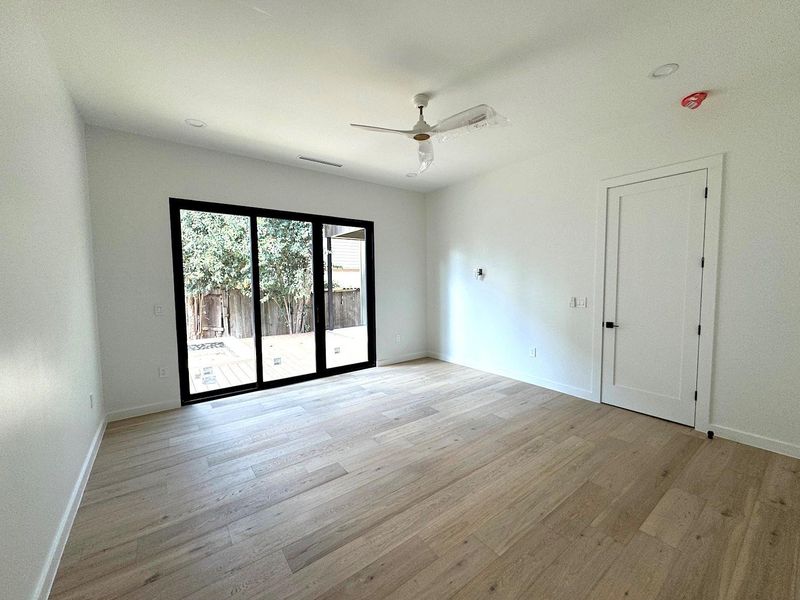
(471, 119)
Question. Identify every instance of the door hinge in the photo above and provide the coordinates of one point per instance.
(702, 262)
(698, 330)
(695, 395)
(705, 194)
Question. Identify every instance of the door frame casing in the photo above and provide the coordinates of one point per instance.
(713, 166)
(317, 221)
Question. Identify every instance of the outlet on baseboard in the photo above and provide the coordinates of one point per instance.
(162, 372)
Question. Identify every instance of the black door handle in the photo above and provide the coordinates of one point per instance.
(610, 325)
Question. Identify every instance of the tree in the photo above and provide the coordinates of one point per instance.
(285, 275)
(216, 252)
(216, 259)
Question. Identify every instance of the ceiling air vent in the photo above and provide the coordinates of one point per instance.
(319, 161)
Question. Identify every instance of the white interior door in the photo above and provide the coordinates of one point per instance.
(653, 286)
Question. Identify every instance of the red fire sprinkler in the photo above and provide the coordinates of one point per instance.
(694, 100)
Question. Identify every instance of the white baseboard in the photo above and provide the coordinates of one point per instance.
(62, 534)
(525, 377)
(138, 411)
(759, 441)
(382, 362)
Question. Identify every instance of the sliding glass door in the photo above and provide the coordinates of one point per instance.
(346, 332)
(266, 298)
(286, 274)
(217, 276)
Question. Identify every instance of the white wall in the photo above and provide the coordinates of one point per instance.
(48, 354)
(131, 179)
(532, 226)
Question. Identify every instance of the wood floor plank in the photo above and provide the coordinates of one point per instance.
(386, 574)
(542, 494)
(628, 511)
(446, 575)
(574, 573)
(224, 513)
(706, 467)
(227, 568)
(781, 483)
(352, 523)
(447, 517)
(735, 493)
(143, 572)
(428, 480)
(638, 573)
(578, 510)
(510, 575)
(116, 558)
(673, 516)
(707, 556)
(245, 581)
(767, 566)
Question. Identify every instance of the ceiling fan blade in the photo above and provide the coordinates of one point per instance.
(425, 152)
(472, 119)
(381, 129)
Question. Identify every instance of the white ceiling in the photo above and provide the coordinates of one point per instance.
(274, 79)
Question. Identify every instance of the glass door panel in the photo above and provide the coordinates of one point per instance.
(286, 305)
(217, 286)
(345, 283)
(267, 298)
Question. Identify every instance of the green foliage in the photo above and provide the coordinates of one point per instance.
(216, 256)
(284, 255)
(216, 252)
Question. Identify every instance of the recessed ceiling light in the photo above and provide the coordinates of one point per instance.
(195, 123)
(663, 71)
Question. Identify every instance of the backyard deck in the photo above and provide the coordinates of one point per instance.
(217, 363)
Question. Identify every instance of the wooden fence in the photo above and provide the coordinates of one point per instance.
(222, 313)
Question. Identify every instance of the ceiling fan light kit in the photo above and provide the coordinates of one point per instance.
(468, 120)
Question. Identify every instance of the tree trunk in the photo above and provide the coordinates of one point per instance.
(288, 312)
(201, 300)
(226, 326)
(302, 327)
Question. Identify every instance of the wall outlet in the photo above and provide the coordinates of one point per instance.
(162, 372)
(532, 352)
(91, 400)
(158, 310)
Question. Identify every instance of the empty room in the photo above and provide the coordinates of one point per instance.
(399, 300)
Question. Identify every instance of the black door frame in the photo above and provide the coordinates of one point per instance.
(252, 212)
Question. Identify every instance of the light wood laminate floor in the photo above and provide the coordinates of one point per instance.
(429, 481)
